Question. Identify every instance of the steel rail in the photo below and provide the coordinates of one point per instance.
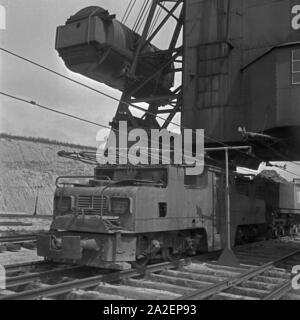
(18, 238)
(226, 284)
(11, 267)
(280, 291)
(61, 288)
(27, 278)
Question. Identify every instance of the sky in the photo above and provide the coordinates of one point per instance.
(30, 31)
(28, 27)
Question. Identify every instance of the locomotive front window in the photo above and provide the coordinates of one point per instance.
(62, 204)
(150, 174)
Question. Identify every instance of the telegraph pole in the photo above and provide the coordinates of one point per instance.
(228, 257)
(36, 199)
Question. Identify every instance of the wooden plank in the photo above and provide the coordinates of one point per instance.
(193, 276)
(6, 292)
(239, 269)
(258, 285)
(249, 292)
(179, 281)
(157, 285)
(205, 270)
(277, 274)
(135, 292)
(229, 296)
(268, 279)
(91, 295)
(291, 296)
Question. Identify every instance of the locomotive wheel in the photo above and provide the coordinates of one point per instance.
(140, 262)
(169, 255)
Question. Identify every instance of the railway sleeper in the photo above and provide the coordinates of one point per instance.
(210, 271)
(193, 276)
(92, 295)
(178, 281)
(136, 292)
(277, 274)
(181, 290)
(250, 292)
(230, 296)
(268, 279)
(239, 269)
(292, 295)
(157, 285)
(258, 285)
(6, 292)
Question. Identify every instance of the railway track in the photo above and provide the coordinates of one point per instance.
(264, 274)
(18, 239)
(16, 242)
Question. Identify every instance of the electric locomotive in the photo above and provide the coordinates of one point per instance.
(127, 214)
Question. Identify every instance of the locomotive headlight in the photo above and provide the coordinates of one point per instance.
(63, 204)
(119, 205)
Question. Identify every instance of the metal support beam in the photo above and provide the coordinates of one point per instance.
(166, 18)
(154, 74)
(144, 35)
(228, 257)
(172, 114)
(154, 99)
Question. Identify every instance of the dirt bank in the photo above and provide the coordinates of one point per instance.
(28, 170)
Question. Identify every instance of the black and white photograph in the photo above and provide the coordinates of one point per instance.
(149, 153)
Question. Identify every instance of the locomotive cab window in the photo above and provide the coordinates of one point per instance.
(296, 66)
(152, 176)
(196, 181)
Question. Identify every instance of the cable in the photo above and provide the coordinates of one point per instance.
(158, 13)
(128, 11)
(33, 103)
(119, 100)
(83, 85)
(140, 15)
(143, 18)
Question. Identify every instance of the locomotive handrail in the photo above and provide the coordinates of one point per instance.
(80, 177)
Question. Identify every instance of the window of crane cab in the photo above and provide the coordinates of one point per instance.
(196, 181)
(158, 175)
(296, 66)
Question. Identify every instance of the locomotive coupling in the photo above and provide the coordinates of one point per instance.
(69, 247)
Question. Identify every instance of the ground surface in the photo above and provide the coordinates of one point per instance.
(20, 223)
(22, 256)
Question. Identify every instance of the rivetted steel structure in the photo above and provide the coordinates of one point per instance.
(240, 70)
(242, 73)
(96, 45)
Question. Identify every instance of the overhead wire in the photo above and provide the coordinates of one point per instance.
(160, 157)
(157, 15)
(139, 16)
(35, 104)
(144, 17)
(119, 100)
(128, 11)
